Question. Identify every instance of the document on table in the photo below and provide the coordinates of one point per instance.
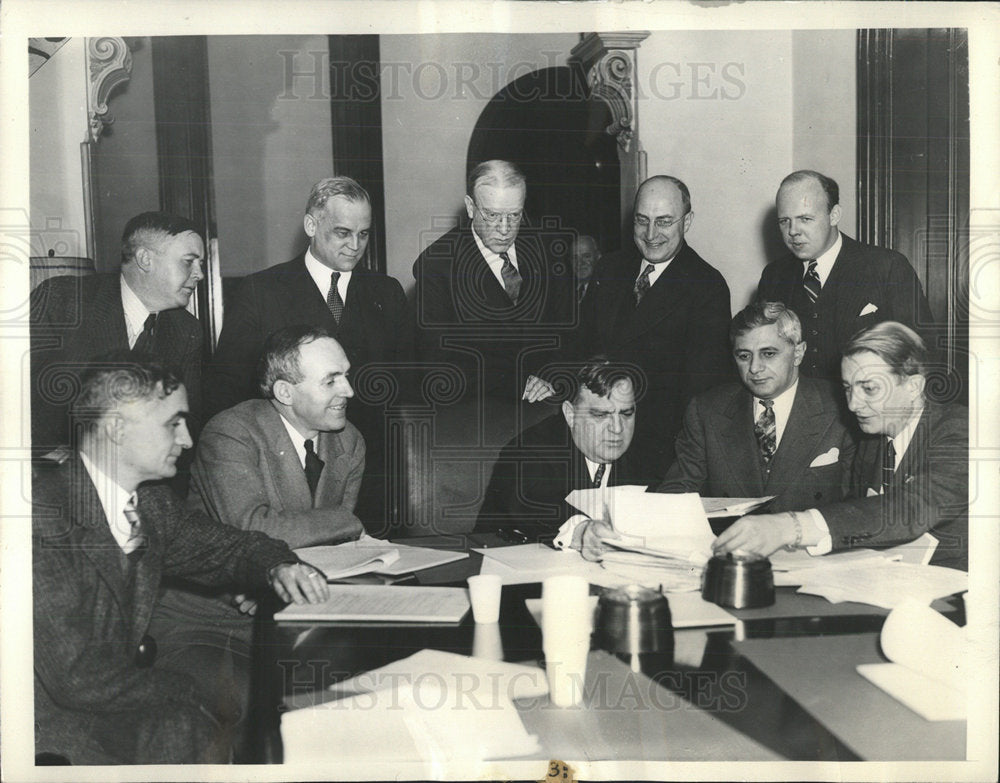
(383, 603)
(372, 555)
(732, 507)
(526, 563)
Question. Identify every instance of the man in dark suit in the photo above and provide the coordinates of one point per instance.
(75, 319)
(910, 475)
(836, 285)
(102, 539)
(772, 434)
(326, 286)
(488, 298)
(289, 465)
(663, 309)
(582, 448)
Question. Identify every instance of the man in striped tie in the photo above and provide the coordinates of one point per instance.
(836, 285)
(909, 475)
(105, 531)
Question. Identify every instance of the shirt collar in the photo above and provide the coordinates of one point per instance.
(592, 468)
(135, 312)
(901, 440)
(493, 259)
(113, 499)
(320, 273)
(298, 441)
(825, 261)
(657, 268)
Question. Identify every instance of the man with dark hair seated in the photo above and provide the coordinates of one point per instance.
(102, 539)
(910, 475)
(583, 447)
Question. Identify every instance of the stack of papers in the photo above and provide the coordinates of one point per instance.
(372, 555)
(928, 654)
(433, 709)
(383, 603)
(527, 563)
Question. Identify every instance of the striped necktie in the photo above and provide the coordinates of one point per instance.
(511, 278)
(810, 282)
(642, 284)
(136, 537)
(888, 464)
(599, 475)
(333, 299)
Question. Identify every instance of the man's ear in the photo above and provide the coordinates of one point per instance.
(800, 352)
(114, 428)
(309, 224)
(835, 214)
(143, 258)
(470, 207)
(688, 218)
(282, 391)
(916, 384)
(568, 412)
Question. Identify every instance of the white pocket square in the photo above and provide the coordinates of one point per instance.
(829, 458)
(868, 309)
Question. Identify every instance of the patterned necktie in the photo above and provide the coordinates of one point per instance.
(888, 464)
(314, 466)
(810, 282)
(144, 342)
(599, 475)
(136, 537)
(766, 432)
(642, 284)
(333, 300)
(511, 278)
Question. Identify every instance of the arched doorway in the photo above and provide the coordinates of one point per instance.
(546, 123)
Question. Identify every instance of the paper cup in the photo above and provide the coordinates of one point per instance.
(567, 617)
(484, 593)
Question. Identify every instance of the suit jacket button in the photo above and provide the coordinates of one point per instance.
(145, 653)
(814, 315)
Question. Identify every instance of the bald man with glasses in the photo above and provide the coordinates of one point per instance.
(487, 297)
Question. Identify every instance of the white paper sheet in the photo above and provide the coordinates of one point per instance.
(885, 584)
(383, 603)
(527, 563)
(373, 555)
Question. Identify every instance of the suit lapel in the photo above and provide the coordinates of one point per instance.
(108, 326)
(621, 298)
(805, 425)
(734, 432)
(331, 451)
(663, 299)
(305, 299)
(148, 570)
(909, 465)
(282, 460)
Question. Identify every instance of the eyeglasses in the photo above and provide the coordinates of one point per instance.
(491, 217)
(661, 223)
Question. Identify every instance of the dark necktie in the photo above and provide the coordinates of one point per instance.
(766, 432)
(136, 544)
(810, 282)
(314, 466)
(888, 465)
(144, 342)
(333, 300)
(642, 284)
(511, 278)
(581, 291)
(599, 475)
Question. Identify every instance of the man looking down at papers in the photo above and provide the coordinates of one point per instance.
(910, 473)
(583, 448)
(773, 433)
(288, 465)
(102, 539)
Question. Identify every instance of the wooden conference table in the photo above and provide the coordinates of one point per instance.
(780, 685)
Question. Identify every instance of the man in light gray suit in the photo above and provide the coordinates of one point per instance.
(289, 465)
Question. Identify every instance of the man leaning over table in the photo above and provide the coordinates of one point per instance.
(102, 539)
(585, 446)
(773, 433)
(910, 473)
(288, 465)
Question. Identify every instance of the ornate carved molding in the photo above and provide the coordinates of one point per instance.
(109, 63)
(609, 62)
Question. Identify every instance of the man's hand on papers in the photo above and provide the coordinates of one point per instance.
(592, 536)
(536, 390)
(299, 583)
(760, 534)
(244, 604)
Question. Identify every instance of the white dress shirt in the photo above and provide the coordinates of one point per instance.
(493, 260)
(298, 441)
(564, 538)
(135, 313)
(900, 443)
(113, 500)
(657, 270)
(320, 273)
(824, 263)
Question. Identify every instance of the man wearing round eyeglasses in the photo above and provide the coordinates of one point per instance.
(487, 299)
(663, 309)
